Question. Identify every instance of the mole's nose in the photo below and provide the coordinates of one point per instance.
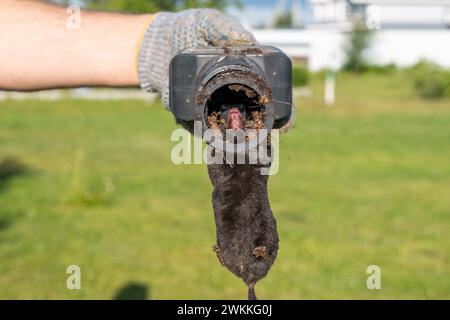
(234, 111)
(235, 119)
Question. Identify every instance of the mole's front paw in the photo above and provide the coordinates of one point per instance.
(218, 254)
(261, 251)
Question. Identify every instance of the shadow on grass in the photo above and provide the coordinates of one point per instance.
(8, 218)
(4, 223)
(133, 291)
(10, 168)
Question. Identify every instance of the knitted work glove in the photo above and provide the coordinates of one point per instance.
(170, 33)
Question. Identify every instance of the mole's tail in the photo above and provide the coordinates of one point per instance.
(251, 292)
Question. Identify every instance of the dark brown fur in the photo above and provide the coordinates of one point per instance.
(247, 238)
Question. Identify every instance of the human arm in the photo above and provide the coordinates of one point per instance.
(39, 51)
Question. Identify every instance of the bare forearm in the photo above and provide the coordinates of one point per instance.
(38, 50)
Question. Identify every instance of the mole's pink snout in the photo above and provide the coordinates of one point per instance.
(235, 119)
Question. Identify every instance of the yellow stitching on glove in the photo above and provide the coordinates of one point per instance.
(139, 43)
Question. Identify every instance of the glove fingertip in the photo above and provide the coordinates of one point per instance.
(221, 30)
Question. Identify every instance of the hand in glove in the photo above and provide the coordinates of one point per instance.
(171, 33)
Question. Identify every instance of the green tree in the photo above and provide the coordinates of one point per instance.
(284, 20)
(358, 41)
(139, 6)
(430, 80)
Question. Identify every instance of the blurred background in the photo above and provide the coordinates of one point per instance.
(86, 176)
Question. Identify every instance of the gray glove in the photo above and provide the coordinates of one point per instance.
(170, 33)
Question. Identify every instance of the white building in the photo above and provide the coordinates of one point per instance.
(406, 31)
(325, 11)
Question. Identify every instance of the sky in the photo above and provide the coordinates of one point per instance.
(253, 13)
(260, 12)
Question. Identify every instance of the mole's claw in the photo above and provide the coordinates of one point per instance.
(218, 254)
(261, 251)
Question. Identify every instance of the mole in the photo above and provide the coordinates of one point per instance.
(246, 230)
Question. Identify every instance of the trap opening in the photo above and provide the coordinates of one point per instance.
(246, 99)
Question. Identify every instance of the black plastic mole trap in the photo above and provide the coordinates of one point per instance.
(235, 96)
(205, 82)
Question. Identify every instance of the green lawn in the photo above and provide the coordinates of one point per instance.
(91, 183)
